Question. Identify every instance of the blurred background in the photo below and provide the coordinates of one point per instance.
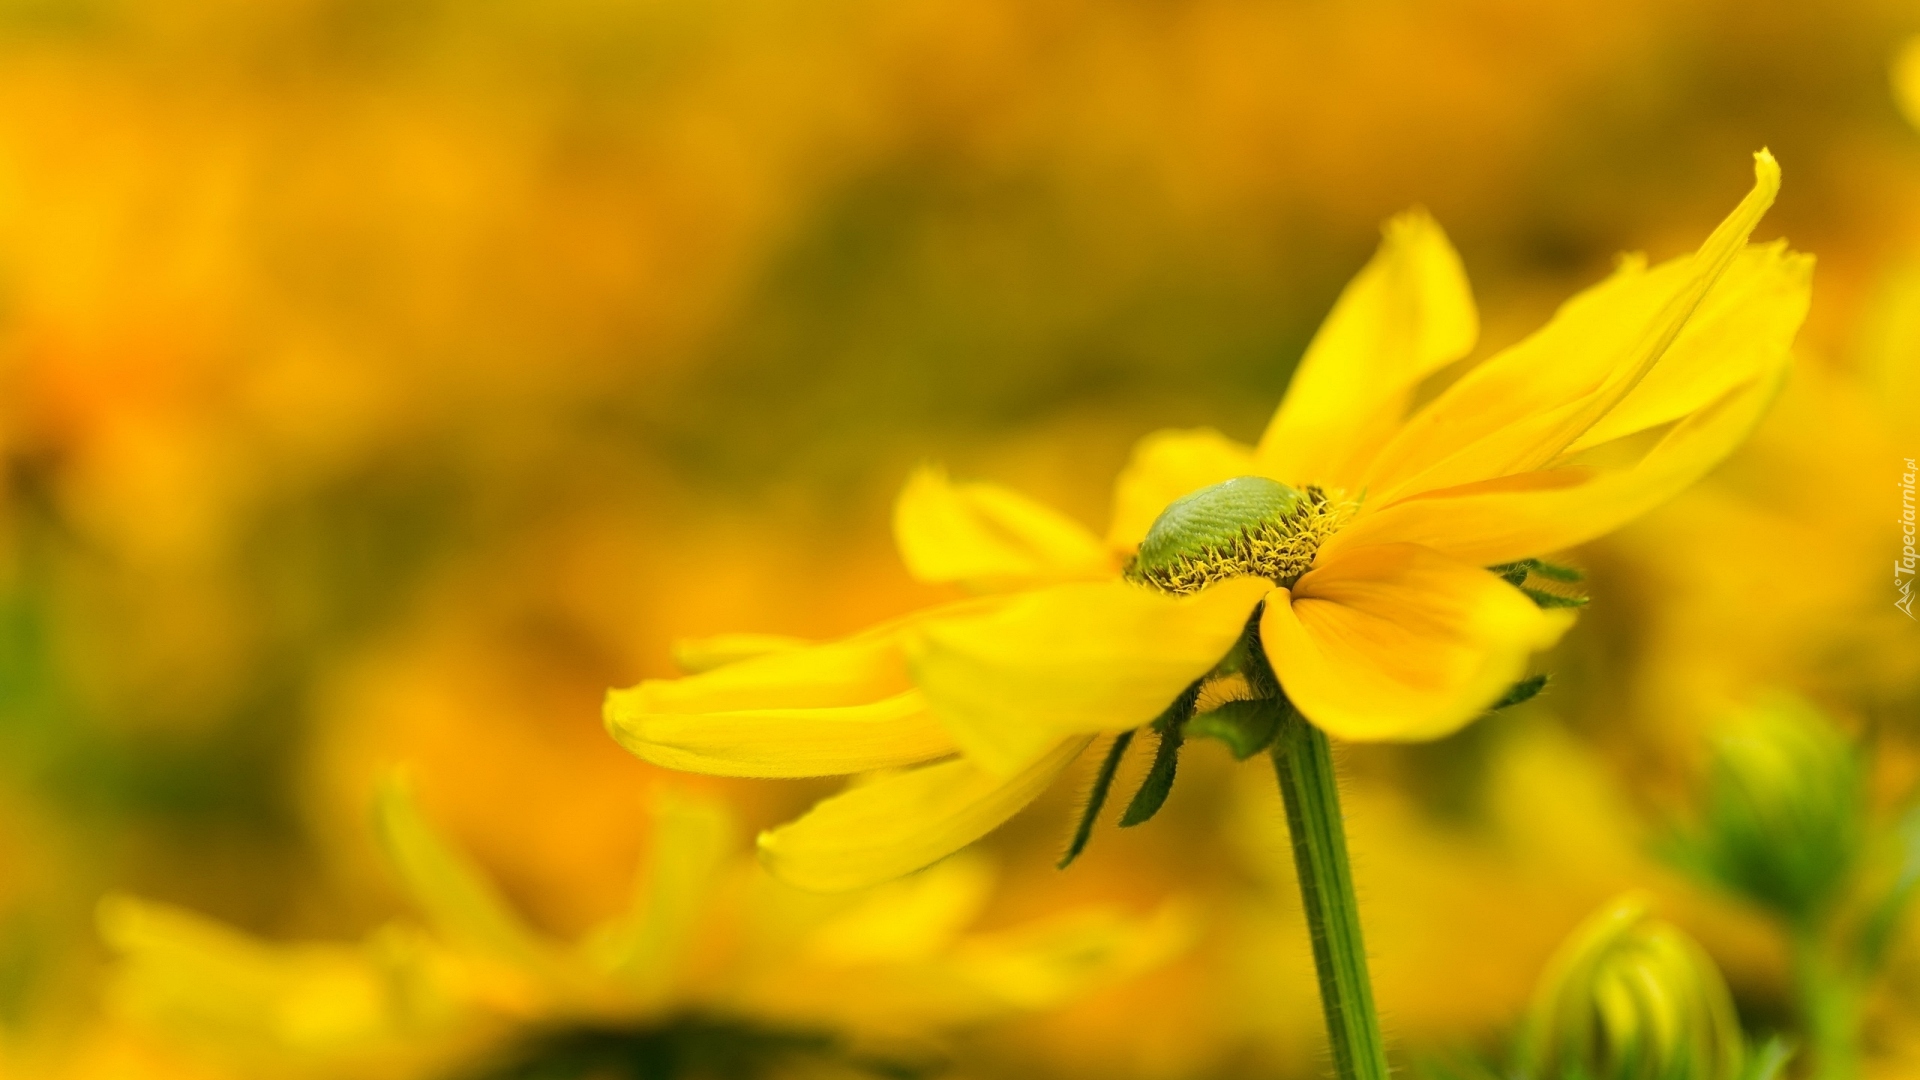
(380, 382)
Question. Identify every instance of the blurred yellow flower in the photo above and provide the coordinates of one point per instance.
(1906, 80)
(1345, 550)
(713, 956)
(1629, 997)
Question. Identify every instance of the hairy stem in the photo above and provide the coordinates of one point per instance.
(1304, 762)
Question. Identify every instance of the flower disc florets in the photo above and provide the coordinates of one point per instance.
(1249, 526)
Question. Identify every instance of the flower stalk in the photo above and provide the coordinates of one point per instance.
(1304, 762)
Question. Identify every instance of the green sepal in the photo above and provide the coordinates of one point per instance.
(1544, 599)
(1524, 690)
(1096, 798)
(1554, 571)
(1514, 574)
(1247, 727)
(1158, 784)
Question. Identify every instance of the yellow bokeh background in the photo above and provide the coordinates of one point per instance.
(382, 382)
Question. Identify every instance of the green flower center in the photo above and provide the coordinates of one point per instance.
(1249, 526)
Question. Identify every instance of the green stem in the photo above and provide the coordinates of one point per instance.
(1829, 1007)
(1304, 761)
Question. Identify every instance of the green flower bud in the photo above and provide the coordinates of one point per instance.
(1784, 818)
(1629, 997)
(1247, 526)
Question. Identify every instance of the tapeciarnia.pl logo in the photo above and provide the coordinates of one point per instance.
(1904, 565)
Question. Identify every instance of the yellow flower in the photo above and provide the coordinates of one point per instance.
(1906, 80)
(711, 947)
(1629, 997)
(1344, 555)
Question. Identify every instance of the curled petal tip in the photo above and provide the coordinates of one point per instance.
(1766, 170)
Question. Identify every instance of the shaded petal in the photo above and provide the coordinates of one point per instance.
(828, 741)
(1165, 466)
(898, 823)
(1407, 314)
(1535, 513)
(986, 534)
(1521, 409)
(1071, 659)
(1398, 643)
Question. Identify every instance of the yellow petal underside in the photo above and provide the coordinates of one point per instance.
(1165, 466)
(830, 741)
(1398, 643)
(1071, 659)
(1520, 410)
(820, 710)
(898, 823)
(859, 670)
(986, 535)
(1407, 314)
(1535, 513)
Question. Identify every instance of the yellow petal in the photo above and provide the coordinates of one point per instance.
(1407, 314)
(207, 981)
(693, 838)
(855, 671)
(457, 899)
(1906, 80)
(1071, 659)
(697, 655)
(1397, 643)
(1521, 409)
(1535, 513)
(987, 535)
(1054, 960)
(1165, 466)
(770, 742)
(900, 822)
(911, 920)
(1741, 332)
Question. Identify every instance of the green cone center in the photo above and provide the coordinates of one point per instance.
(1247, 526)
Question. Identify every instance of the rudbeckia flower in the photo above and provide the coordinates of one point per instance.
(716, 967)
(1366, 559)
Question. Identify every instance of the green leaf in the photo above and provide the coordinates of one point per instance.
(1247, 727)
